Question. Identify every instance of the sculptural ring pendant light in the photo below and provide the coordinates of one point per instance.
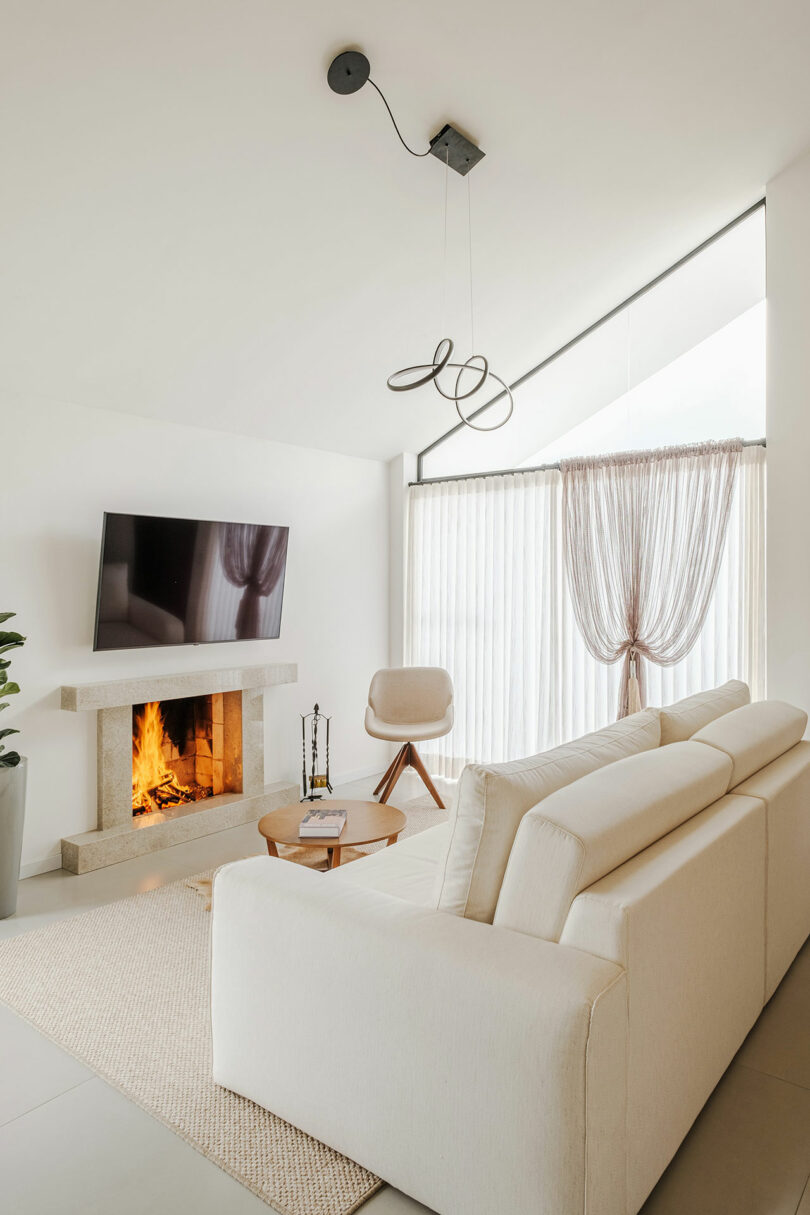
(426, 373)
(347, 73)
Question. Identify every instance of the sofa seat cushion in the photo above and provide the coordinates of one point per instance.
(683, 719)
(493, 798)
(407, 869)
(586, 830)
(754, 735)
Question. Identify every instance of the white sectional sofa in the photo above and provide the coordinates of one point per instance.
(530, 1004)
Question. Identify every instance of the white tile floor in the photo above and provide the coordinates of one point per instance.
(71, 1143)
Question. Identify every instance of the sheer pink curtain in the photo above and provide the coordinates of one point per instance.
(643, 537)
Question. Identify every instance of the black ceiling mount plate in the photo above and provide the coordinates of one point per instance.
(454, 149)
(348, 72)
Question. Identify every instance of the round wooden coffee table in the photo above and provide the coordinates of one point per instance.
(366, 823)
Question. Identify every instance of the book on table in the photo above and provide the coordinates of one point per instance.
(322, 824)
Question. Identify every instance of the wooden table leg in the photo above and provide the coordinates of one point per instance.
(271, 848)
(334, 858)
(392, 839)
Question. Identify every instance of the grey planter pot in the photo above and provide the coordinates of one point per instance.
(12, 816)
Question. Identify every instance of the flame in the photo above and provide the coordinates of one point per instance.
(152, 781)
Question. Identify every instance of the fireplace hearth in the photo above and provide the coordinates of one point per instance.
(179, 756)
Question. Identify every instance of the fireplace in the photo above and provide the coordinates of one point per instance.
(179, 756)
(184, 751)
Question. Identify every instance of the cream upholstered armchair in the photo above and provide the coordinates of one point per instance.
(408, 705)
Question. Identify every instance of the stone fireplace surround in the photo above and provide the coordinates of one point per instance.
(119, 836)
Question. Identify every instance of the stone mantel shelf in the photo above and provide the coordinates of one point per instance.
(114, 693)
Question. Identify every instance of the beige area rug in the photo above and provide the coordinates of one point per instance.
(125, 988)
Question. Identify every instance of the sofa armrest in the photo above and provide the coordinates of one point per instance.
(475, 1068)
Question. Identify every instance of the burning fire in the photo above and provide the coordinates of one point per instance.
(154, 785)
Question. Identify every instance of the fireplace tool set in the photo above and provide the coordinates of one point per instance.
(316, 784)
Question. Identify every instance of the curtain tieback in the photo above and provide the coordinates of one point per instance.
(634, 698)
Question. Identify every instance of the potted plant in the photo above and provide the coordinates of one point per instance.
(13, 768)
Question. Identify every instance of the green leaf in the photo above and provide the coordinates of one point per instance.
(4, 663)
(10, 761)
(4, 616)
(9, 645)
(9, 689)
(5, 733)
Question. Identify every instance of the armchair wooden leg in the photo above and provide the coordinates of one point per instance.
(390, 769)
(416, 762)
(400, 764)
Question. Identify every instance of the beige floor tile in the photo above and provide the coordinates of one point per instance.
(59, 894)
(747, 1154)
(33, 1069)
(92, 1152)
(779, 1043)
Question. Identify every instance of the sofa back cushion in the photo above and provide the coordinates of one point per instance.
(683, 719)
(492, 800)
(754, 735)
(582, 832)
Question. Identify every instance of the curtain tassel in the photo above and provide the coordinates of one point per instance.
(633, 687)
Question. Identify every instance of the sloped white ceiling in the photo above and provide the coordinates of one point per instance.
(195, 228)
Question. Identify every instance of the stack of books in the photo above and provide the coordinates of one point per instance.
(324, 824)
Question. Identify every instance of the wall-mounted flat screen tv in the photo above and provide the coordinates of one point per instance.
(186, 581)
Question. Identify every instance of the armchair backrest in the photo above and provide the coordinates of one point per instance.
(410, 694)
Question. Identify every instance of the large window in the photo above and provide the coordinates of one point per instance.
(488, 600)
(487, 596)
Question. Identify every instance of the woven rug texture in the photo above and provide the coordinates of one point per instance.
(125, 989)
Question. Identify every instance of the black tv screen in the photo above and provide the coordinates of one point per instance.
(186, 581)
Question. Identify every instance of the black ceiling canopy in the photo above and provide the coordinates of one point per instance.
(350, 70)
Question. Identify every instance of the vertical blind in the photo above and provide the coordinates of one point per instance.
(487, 598)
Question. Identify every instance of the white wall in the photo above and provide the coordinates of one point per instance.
(63, 466)
(788, 432)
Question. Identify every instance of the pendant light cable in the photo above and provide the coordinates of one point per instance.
(393, 119)
(444, 251)
(470, 265)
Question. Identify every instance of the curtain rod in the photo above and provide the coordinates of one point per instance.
(510, 472)
(574, 341)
